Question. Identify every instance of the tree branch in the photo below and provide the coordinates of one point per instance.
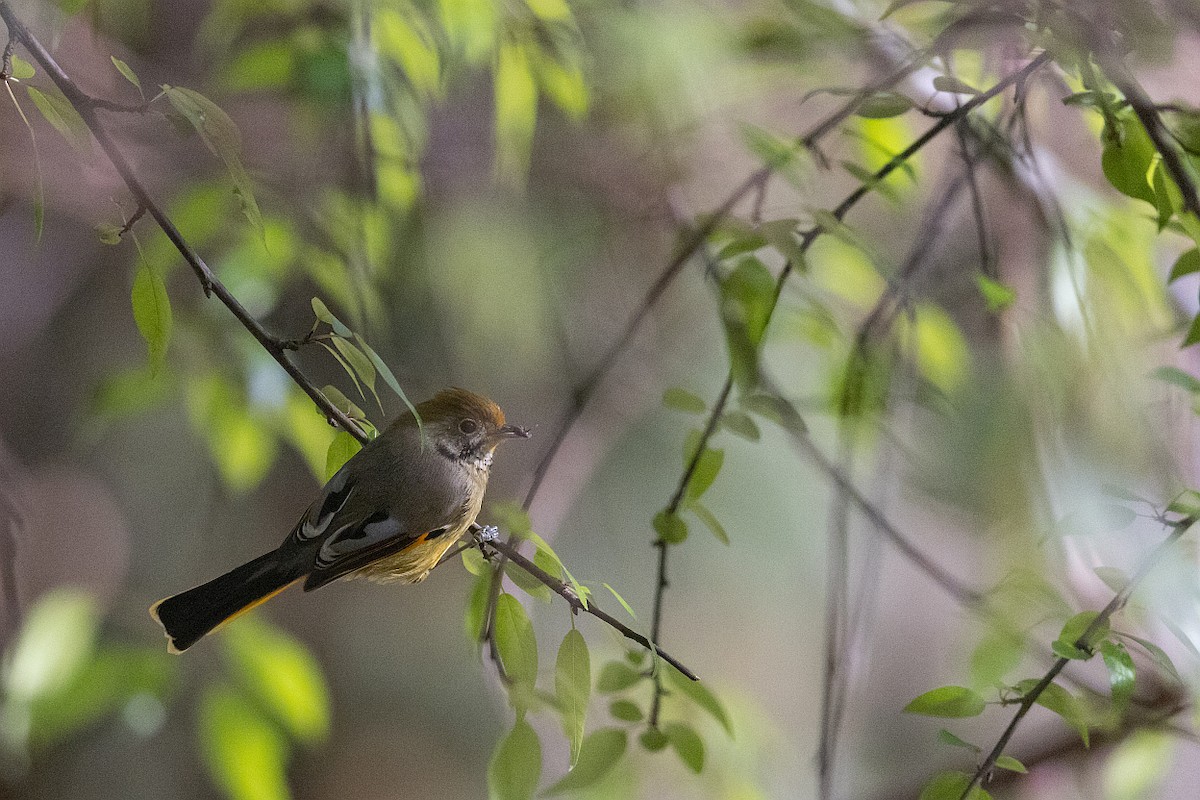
(86, 106)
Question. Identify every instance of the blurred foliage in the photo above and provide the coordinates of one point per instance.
(1016, 388)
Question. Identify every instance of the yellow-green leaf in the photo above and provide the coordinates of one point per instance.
(601, 751)
(516, 764)
(572, 687)
(152, 312)
(245, 754)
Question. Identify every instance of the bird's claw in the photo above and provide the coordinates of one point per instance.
(488, 533)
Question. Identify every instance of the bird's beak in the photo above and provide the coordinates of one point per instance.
(513, 432)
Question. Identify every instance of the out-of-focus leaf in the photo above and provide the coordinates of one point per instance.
(947, 83)
(263, 65)
(476, 608)
(1011, 764)
(954, 741)
(774, 409)
(516, 111)
(516, 764)
(669, 527)
(1138, 766)
(406, 41)
(528, 584)
(128, 72)
(740, 424)
(615, 676)
(1061, 702)
(515, 641)
(572, 687)
(747, 298)
(698, 693)
(997, 654)
(55, 642)
(626, 711)
(653, 739)
(710, 521)
(152, 313)
(951, 786)
(881, 105)
(681, 399)
(601, 751)
(1187, 263)
(996, 295)
(1177, 377)
(687, 744)
(707, 467)
(22, 70)
(282, 674)
(59, 112)
(1073, 631)
(948, 701)
(245, 754)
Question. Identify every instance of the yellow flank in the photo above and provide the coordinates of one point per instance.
(413, 563)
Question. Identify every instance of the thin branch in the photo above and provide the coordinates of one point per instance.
(86, 107)
(1083, 642)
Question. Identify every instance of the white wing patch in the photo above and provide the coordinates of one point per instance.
(336, 497)
(356, 536)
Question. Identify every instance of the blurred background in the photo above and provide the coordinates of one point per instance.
(485, 192)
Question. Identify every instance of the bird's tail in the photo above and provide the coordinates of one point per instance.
(188, 616)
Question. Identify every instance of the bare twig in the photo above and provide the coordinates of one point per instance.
(86, 107)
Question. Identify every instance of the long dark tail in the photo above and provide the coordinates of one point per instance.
(188, 616)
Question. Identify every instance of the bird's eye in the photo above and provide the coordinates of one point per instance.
(468, 426)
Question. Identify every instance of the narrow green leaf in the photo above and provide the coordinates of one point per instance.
(698, 693)
(1061, 702)
(710, 521)
(128, 72)
(626, 711)
(152, 312)
(998, 296)
(473, 614)
(388, 376)
(1156, 654)
(282, 674)
(1121, 674)
(1187, 263)
(946, 83)
(1011, 764)
(601, 751)
(516, 764)
(948, 701)
(572, 687)
(1177, 377)
(669, 527)
(322, 312)
(59, 112)
(707, 467)
(245, 754)
(621, 600)
(516, 94)
(360, 363)
(341, 449)
(515, 641)
(687, 744)
(39, 189)
(343, 403)
(1186, 502)
(345, 367)
(1193, 334)
(681, 399)
(881, 105)
(747, 298)
(949, 738)
(615, 676)
(775, 409)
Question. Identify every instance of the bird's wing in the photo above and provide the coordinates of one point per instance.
(356, 525)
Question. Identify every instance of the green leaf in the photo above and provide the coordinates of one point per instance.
(1113, 578)
(1121, 674)
(59, 112)
(152, 313)
(345, 367)
(670, 528)
(22, 70)
(358, 361)
(998, 653)
(516, 764)
(528, 584)
(880, 105)
(108, 233)
(1156, 654)
(474, 562)
(621, 600)
(709, 520)
(1061, 702)
(341, 449)
(747, 298)
(476, 608)
(572, 687)
(699, 694)
(1193, 334)
(515, 92)
(687, 745)
(388, 376)
(1127, 157)
(948, 701)
(515, 642)
(1011, 764)
(512, 518)
(343, 403)
(601, 751)
(1186, 502)
(56, 640)
(129, 74)
(775, 409)
(322, 312)
(1177, 377)
(949, 738)
(951, 786)
(996, 295)
(245, 754)
(1073, 631)
(740, 424)
(1187, 263)
(707, 467)
(282, 674)
(681, 399)
(653, 739)
(1138, 766)
(615, 676)
(946, 83)
(626, 711)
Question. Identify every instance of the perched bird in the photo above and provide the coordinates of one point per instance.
(389, 514)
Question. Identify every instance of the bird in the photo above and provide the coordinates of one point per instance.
(389, 515)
